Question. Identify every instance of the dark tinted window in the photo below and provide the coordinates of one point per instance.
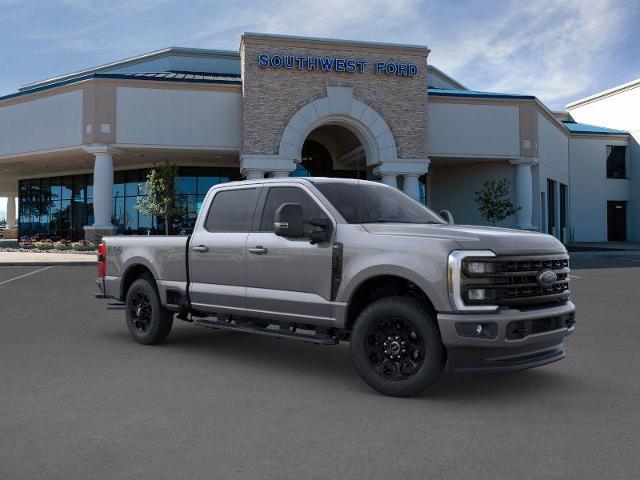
(279, 195)
(374, 203)
(616, 162)
(232, 211)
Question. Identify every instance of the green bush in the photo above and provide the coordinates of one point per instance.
(43, 245)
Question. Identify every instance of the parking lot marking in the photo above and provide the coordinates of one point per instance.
(574, 276)
(25, 275)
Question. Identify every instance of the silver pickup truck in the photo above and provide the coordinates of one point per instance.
(323, 260)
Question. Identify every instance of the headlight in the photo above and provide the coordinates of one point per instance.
(458, 269)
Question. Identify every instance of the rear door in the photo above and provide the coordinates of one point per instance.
(218, 251)
(288, 279)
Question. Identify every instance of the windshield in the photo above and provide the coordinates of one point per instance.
(373, 203)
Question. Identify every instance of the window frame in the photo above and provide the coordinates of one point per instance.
(625, 163)
(202, 223)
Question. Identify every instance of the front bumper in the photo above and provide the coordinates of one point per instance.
(503, 352)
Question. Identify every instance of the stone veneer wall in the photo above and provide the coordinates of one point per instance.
(272, 96)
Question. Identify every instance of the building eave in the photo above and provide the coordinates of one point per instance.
(116, 76)
(605, 93)
(132, 61)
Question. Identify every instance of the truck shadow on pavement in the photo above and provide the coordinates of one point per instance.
(332, 368)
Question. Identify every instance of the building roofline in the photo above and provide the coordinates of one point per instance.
(448, 78)
(120, 76)
(336, 41)
(605, 93)
(132, 61)
(445, 92)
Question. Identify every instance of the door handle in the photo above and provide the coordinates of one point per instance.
(200, 248)
(258, 250)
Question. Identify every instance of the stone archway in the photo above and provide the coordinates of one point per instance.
(339, 107)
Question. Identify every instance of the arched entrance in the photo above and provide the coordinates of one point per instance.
(333, 150)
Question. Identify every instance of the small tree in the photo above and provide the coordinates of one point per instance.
(494, 201)
(161, 199)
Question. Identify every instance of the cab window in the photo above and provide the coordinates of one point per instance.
(232, 210)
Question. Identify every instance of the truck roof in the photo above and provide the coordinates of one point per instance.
(297, 180)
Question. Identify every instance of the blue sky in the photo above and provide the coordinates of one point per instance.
(557, 50)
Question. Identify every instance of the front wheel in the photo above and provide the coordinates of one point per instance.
(148, 321)
(396, 346)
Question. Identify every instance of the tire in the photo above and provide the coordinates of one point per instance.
(148, 321)
(396, 346)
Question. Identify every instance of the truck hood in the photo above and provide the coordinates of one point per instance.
(502, 241)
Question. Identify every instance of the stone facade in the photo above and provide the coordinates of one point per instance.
(272, 96)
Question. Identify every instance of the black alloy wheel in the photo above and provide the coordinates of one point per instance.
(396, 346)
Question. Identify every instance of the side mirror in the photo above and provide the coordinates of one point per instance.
(446, 214)
(322, 233)
(289, 221)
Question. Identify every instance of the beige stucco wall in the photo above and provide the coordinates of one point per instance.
(50, 122)
(272, 96)
(178, 117)
(473, 129)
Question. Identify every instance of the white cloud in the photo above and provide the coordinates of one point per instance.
(547, 48)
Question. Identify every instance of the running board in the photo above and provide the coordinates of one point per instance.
(116, 306)
(266, 332)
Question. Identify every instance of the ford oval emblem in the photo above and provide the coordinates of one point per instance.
(546, 278)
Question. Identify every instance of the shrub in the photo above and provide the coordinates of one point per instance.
(83, 246)
(43, 245)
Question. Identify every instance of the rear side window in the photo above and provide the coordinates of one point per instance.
(279, 195)
(232, 211)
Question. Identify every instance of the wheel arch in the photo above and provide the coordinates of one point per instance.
(378, 286)
(131, 274)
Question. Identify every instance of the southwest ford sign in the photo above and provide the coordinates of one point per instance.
(334, 64)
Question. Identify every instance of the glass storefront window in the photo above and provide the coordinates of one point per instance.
(59, 207)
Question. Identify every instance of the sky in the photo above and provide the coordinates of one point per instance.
(557, 50)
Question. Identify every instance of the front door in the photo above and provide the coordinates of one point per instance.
(288, 279)
(218, 252)
(617, 221)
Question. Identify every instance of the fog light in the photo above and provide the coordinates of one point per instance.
(477, 294)
(477, 330)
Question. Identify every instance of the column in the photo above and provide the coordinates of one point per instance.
(280, 174)
(103, 190)
(411, 186)
(102, 193)
(253, 174)
(524, 191)
(390, 179)
(11, 212)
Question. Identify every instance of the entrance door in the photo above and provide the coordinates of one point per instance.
(288, 279)
(617, 221)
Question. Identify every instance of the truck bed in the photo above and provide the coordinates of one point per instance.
(164, 256)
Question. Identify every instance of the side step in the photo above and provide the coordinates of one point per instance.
(266, 332)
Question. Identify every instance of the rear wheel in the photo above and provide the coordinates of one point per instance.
(148, 321)
(396, 346)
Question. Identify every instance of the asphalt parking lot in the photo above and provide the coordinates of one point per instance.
(80, 400)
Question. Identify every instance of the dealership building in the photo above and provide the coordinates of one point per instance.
(75, 149)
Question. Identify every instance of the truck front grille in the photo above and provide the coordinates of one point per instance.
(516, 281)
